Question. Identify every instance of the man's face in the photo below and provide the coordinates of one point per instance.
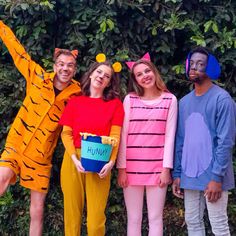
(198, 64)
(65, 68)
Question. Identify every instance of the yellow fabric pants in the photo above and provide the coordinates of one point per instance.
(78, 186)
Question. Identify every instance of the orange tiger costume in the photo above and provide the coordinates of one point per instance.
(35, 130)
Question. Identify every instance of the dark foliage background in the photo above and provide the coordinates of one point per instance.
(122, 29)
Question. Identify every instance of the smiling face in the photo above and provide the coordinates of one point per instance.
(144, 76)
(100, 78)
(198, 64)
(65, 68)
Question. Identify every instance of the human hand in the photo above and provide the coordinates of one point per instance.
(77, 163)
(106, 169)
(165, 178)
(213, 191)
(176, 188)
(84, 135)
(109, 140)
(122, 178)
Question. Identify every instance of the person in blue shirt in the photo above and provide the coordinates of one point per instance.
(205, 137)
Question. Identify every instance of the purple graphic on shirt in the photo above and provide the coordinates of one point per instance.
(197, 148)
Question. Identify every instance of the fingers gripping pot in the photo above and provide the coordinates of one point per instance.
(96, 151)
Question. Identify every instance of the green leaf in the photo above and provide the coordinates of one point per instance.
(207, 25)
(199, 40)
(24, 6)
(154, 31)
(179, 69)
(215, 27)
(103, 26)
(110, 24)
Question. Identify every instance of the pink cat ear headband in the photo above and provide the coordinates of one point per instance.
(130, 64)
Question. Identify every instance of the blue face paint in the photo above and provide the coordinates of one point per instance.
(212, 69)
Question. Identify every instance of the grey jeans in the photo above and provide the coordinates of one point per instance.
(195, 204)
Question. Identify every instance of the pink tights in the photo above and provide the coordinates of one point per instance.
(134, 196)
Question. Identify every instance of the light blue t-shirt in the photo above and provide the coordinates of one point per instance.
(205, 139)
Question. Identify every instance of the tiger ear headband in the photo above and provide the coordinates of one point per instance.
(101, 57)
(130, 64)
(73, 52)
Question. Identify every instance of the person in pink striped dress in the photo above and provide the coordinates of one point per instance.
(147, 143)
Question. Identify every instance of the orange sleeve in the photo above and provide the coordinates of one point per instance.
(27, 67)
(115, 132)
(68, 141)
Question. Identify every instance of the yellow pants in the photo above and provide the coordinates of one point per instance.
(75, 187)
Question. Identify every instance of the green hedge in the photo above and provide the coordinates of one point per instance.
(122, 29)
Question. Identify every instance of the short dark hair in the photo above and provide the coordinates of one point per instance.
(110, 92)
(200, 49)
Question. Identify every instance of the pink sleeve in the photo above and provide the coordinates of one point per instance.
(170, 134)
(121, 159)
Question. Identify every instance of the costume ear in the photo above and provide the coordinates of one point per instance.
(213, 68)
(117, 67)
(146, 57)
(56, 51)
(75, 53)
(101, 57)
(130, 64)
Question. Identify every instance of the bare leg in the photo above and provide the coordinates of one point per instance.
(6, 174)
(37, 200)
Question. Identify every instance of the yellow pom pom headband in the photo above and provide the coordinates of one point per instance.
(101, 57)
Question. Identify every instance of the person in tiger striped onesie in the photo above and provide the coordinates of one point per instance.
(34, 133)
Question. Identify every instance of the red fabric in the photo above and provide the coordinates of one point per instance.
(91, 115)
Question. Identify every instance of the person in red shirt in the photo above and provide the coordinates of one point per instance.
(98, 111)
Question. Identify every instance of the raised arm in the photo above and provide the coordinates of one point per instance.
(28, 68)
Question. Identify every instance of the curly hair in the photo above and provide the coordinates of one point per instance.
(136, 88)
(110, 92)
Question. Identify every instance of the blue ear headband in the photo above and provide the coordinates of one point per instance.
(212, 70)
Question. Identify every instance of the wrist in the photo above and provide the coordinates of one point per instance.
(74, 158)
(111, 162)
(216, 178)
(166, 169)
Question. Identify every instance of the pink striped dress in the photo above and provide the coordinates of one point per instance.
(145, 139)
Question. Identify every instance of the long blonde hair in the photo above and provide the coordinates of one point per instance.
(135, 87)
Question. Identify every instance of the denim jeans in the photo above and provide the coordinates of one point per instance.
(195, 204)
